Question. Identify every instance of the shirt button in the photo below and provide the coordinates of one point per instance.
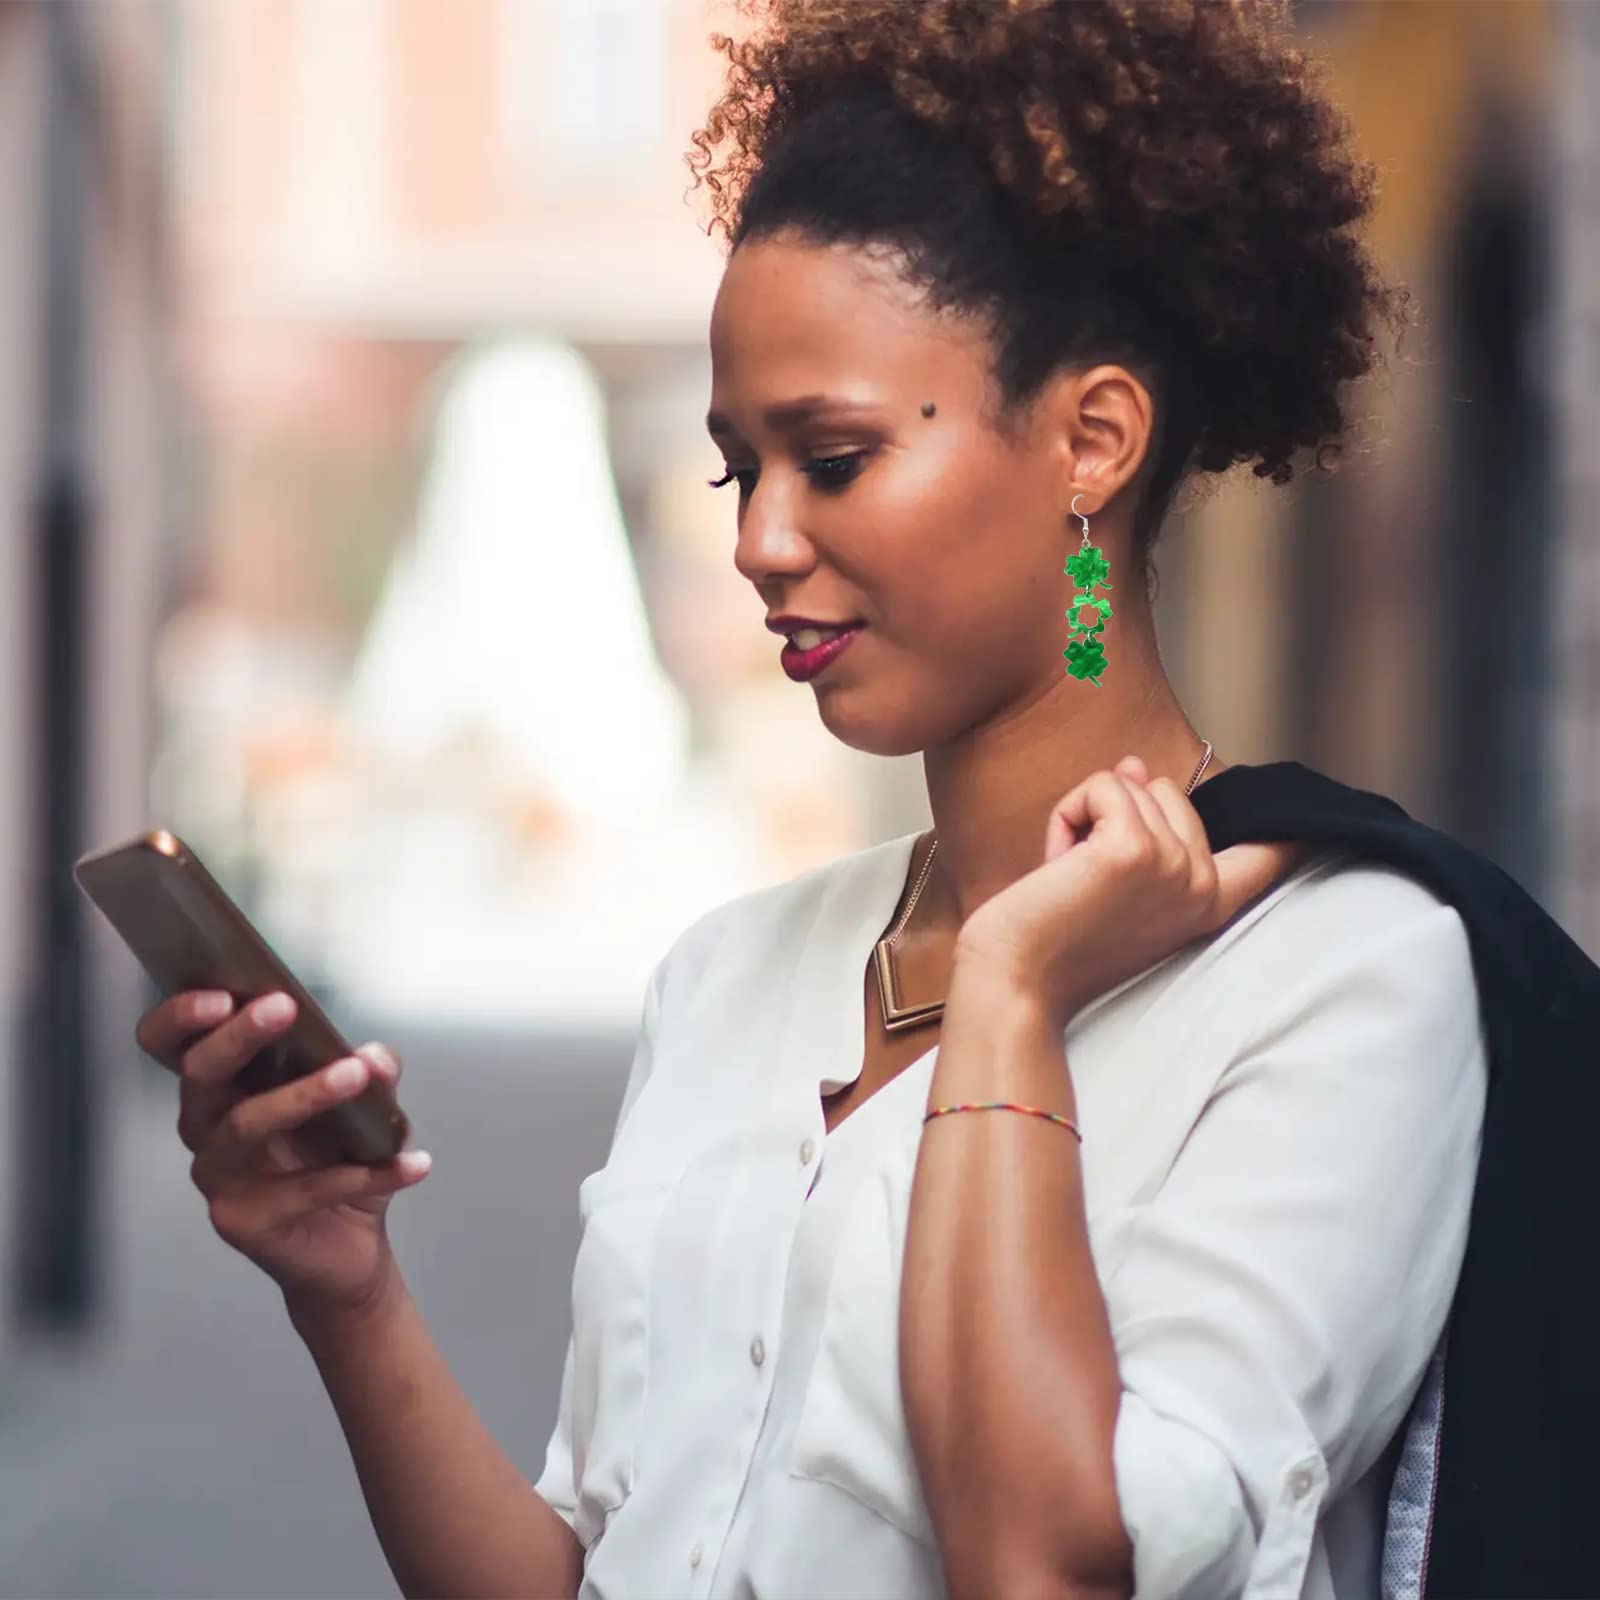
(694, 1556)
(1300, 1482)
(758, 1351)
(807, 1150)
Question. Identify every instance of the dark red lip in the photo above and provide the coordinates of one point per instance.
(803, 665)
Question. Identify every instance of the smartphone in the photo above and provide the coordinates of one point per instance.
(187, 933)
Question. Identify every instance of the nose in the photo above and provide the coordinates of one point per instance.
(769, 543)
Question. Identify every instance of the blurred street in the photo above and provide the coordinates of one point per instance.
(191, 1449)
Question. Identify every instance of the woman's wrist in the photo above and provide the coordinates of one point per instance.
(317, 1317)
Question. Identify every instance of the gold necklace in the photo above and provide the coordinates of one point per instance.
(896, 1017)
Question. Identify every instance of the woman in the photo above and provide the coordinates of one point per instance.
(1147, 1316)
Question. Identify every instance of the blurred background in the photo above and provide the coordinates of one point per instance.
(355, 528)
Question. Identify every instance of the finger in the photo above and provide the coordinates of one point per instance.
(382, 1059)
(220, 1055)
(207, 1070)
(1172, 845)
(165, 1029)
(1102, 797)
(1245, 871)
(1185, 823)
(251, 1121)
(284, 1154)
(262, 1204)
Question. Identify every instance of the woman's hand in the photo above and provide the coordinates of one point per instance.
(317, 1229)
(1128, 878)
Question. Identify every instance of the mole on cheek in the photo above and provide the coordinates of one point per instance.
(927, 408)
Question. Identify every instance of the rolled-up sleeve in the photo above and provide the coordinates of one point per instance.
(1281, 1294)
(557, 1482)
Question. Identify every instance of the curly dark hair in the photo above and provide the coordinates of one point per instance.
(1162, 183)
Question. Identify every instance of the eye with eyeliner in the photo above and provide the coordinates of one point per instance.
(838, 472)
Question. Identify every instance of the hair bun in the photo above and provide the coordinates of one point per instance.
(1169, 177)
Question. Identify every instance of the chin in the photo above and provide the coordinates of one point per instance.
(874, 727)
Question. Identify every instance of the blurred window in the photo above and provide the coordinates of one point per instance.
(584, 86)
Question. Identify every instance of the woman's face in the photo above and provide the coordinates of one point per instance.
(946, 539)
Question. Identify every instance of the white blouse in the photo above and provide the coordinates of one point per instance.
(1281, 1134)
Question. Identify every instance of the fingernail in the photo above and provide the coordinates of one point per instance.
(384, 1054)
(274, 1008)
(344, 1074)
(414, 1162)
(212, 1006)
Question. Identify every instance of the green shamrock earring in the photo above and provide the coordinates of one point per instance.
(1086, 656)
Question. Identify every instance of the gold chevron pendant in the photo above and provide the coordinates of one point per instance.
(896, 1017)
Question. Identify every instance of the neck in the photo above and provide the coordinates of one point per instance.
(992, 791)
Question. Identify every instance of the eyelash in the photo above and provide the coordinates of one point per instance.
(821, 461)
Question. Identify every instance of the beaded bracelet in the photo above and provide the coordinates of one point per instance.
(1005, 1105)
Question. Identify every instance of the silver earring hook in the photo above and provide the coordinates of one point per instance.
(1081, 518)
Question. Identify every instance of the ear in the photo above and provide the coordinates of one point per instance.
(1098, 425)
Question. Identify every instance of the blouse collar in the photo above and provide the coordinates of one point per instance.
(856, 905)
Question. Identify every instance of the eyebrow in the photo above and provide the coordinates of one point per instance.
(787, 414)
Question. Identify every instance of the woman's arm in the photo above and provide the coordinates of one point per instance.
(1006, 1358)
(1273, 1306)
(455, 1516)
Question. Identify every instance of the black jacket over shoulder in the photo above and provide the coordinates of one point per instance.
(1516, 1485)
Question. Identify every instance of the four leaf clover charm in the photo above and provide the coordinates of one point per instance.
(1086, 657)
